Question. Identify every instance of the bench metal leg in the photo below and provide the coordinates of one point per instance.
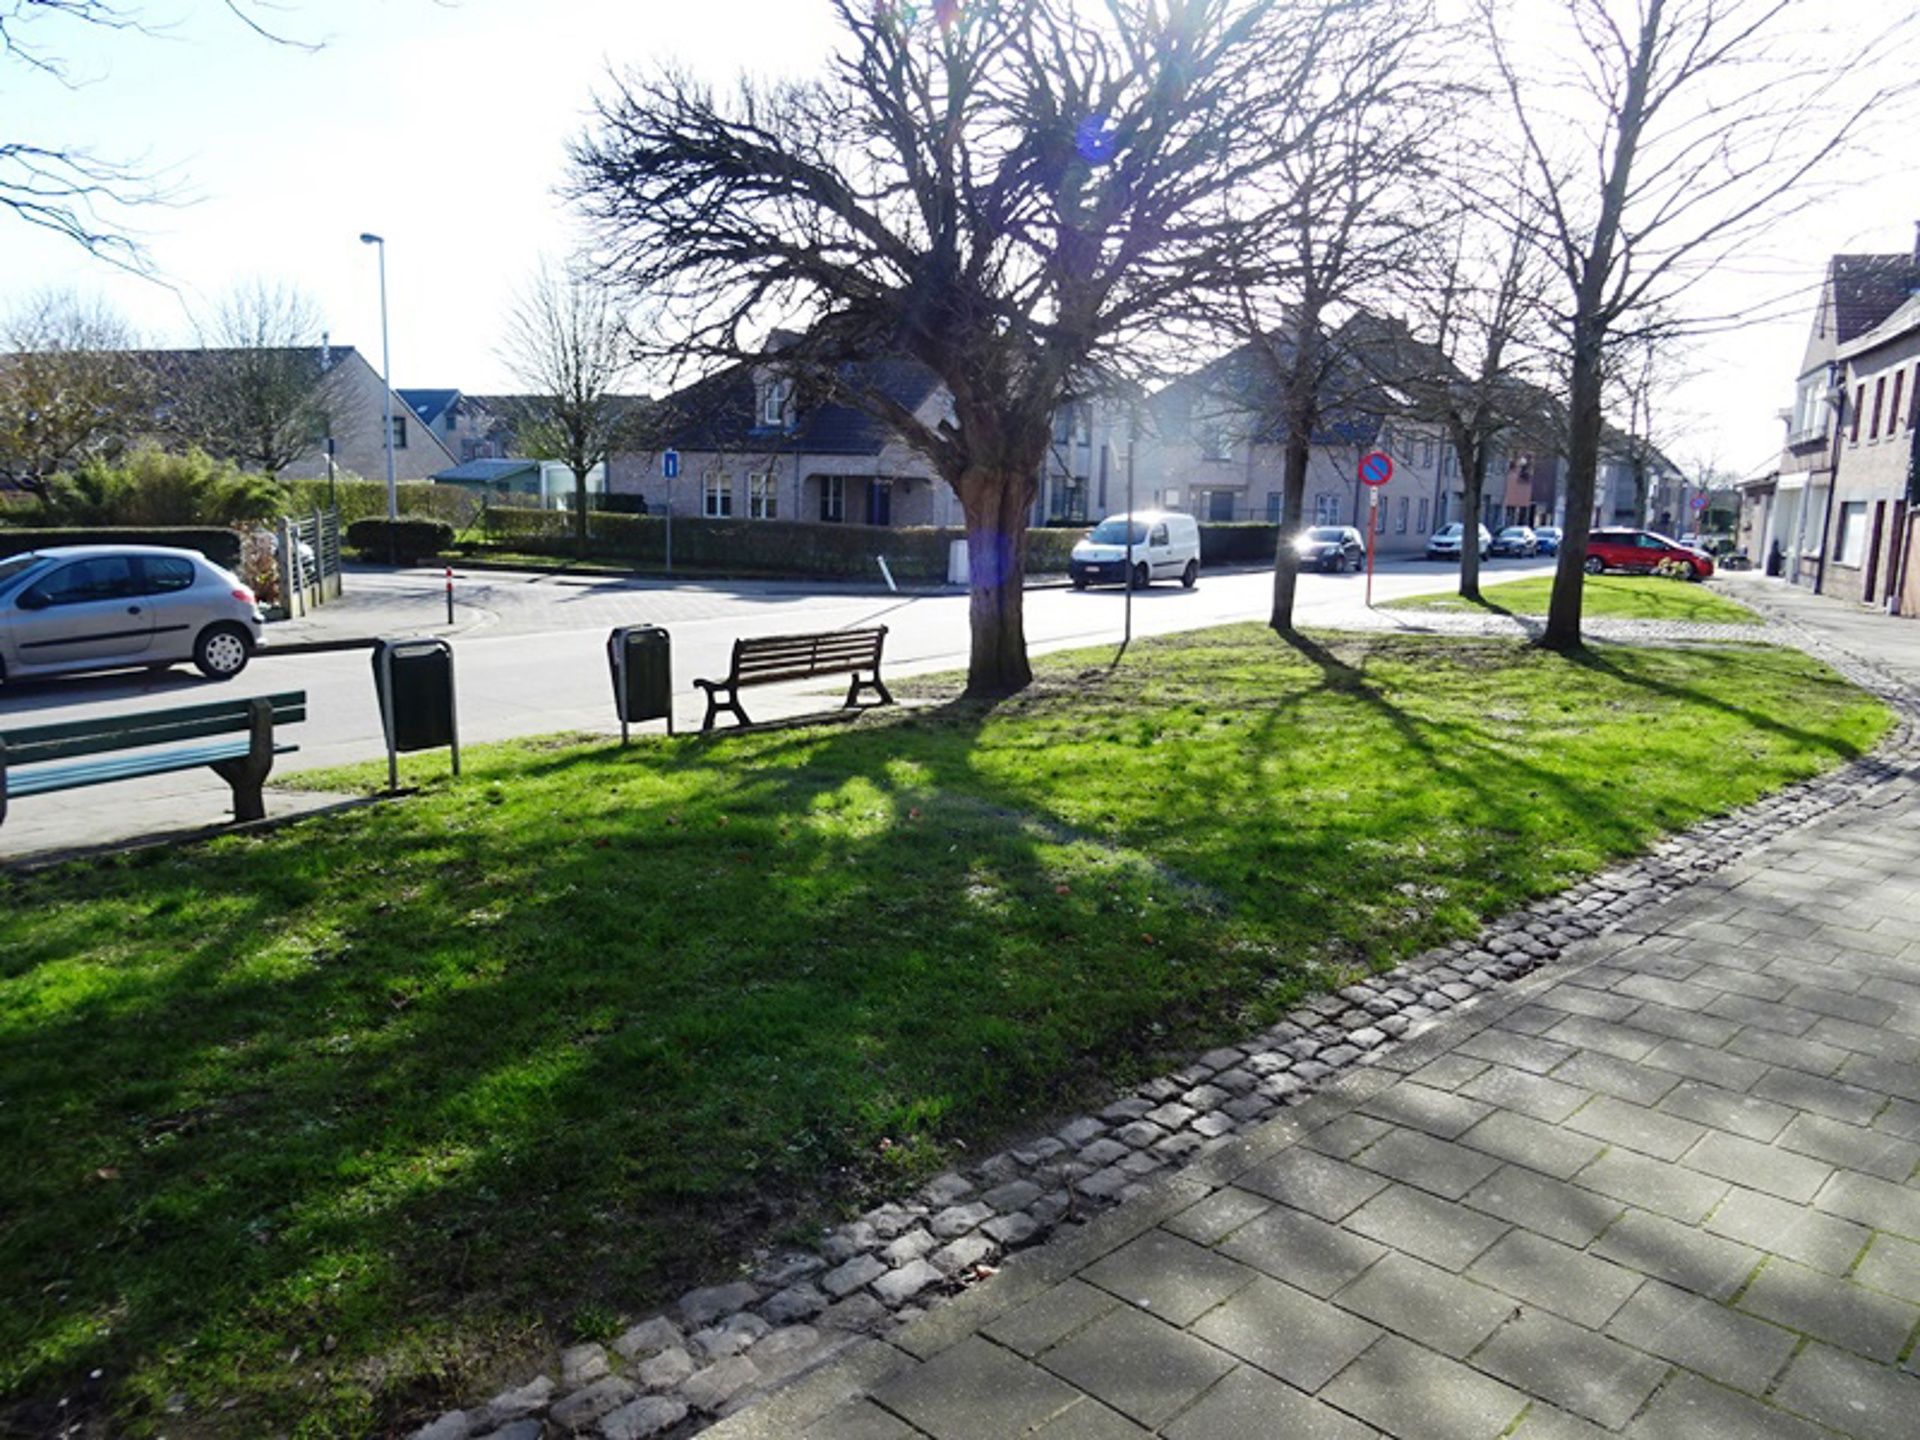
(715, 705)
(875, 685)
(248, 773)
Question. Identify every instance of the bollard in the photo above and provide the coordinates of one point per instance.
(449, 594)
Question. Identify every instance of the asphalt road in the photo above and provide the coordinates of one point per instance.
(531, 660)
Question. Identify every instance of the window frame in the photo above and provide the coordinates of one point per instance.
(763, 496)
(716, 496)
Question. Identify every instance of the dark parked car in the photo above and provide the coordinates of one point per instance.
(1643, 552)
(1515, 540)
(1547, 537)
(1332, 548)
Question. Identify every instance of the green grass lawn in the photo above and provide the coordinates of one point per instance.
(317, 1132)
(1622, 597)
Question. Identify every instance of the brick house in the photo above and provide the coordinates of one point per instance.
(1786, 519)
(1867, 532)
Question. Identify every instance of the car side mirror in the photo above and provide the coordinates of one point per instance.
(34, 600)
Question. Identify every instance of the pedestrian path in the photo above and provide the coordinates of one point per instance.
(1664, 1188)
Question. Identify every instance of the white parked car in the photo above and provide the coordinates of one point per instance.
(1445, 544)
(113, 607)
(1166, 546)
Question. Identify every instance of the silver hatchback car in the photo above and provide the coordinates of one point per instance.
(110, 607)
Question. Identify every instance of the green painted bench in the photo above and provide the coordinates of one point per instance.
(234, 738)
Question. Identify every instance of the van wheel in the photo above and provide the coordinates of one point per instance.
(1142, 576)
(1079, 582)
(222, 651)
(1595, 565)
(1190, 575)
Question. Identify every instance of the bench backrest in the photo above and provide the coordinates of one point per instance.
(770, 658)
(153, 727)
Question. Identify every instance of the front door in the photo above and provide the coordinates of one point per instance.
(880, 502)
(1220, 507)
(86, 612)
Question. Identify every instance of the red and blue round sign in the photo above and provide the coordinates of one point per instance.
(1376, 467)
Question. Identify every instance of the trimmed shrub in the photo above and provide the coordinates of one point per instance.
(409, 539)
(359, 499)
(784, 548)
(222, 547)
(1238, 543)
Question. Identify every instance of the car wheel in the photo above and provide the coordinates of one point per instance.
(1142, 577)
(222, 651)
(1190, 576)
(1079, 582)
(1595, 565)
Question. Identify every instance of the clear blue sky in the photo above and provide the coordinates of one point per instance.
(442, 125)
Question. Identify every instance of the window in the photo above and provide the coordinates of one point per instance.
(1401, 525)
(773, 403)
(717, 500)
(1273, 507)
(1326, 508)
(1810, 409)
(833, 498)
(1850, 545)
(1423, 517)
(1426, 452)
(1380, 519)
(1446, 465)
(399, 432)
(165, 574)
(1879, 404)
(762, 503)
(1859, 404)
(1893, 410)
(1159, 536)
(1215, 443)
(108, 577)
(452, 421)
(1070, 501)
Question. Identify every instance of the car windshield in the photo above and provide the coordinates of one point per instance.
(1331, 533)
(1114, 532)
(1548, 530)
(1453, 529)
(14, 566)
(1515, 531)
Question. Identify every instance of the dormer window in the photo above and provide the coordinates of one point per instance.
(773, 403)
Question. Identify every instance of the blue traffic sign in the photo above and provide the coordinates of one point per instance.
(670, 464)
(1699, 502)
(1376, 467)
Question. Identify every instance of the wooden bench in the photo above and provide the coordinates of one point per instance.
(775, 659)
(234, 738)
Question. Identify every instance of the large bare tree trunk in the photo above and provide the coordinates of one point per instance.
(996, 513)
(1473, 483)
(1286, 559)
(1583, 465)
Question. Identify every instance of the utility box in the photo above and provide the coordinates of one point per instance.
(640, 658)
(957, 568)
(413, 680)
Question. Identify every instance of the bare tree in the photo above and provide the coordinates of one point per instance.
(1347, 216)
(254, 392)
(1028, 198)
(73, 191)
(1638, 377)
(69, 389)
(569, 345)
(1481, 299)
(1662, 137)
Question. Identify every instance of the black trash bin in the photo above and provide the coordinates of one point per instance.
(640, 658)
(413, 680)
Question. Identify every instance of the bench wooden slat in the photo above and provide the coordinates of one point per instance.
(46, 779)
(775, 659)
(74, 738)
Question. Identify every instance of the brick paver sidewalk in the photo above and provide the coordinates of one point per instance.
(1664, 1188)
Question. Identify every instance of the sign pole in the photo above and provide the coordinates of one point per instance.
(1376, 469)
(1373, 529)
(670, 467)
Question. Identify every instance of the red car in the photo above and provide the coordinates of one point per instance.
(1643, 552)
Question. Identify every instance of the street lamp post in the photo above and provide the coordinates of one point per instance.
(386, 385)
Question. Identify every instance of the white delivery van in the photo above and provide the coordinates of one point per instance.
(1166, 546)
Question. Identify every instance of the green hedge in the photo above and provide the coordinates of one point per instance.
(759, 547)
(409, 539)
(1238, 543)
(367, 500)
(220, 546)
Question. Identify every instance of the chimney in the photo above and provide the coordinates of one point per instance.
(326, 350)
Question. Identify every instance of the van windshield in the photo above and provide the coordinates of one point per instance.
(1113, 531)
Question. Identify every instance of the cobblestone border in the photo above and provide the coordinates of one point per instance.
(720, 1348)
